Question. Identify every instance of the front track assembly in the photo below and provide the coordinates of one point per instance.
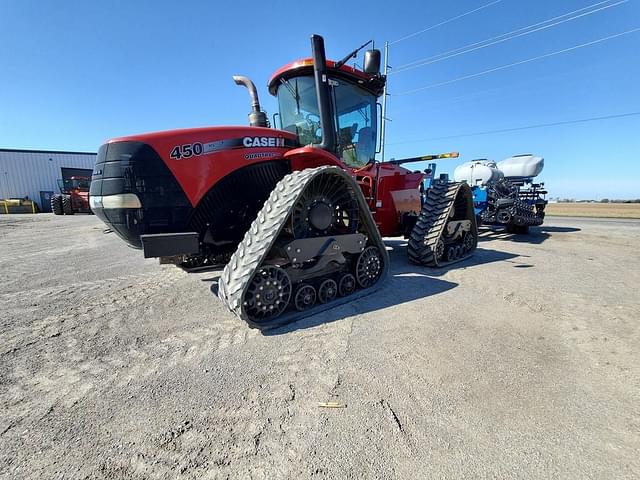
(445, 231)
(314, 245)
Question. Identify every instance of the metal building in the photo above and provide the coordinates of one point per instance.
(35, 173)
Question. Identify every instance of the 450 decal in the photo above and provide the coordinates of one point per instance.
(187, 150)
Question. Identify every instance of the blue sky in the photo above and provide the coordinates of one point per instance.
(74, 73)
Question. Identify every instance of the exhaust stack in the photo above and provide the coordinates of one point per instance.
(324, 98)
(257, 118)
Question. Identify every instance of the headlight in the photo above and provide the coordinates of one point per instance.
(95, 202)
(122, 200)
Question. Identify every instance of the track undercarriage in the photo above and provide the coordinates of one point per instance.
(313, 245)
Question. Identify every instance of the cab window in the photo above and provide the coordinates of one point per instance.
(298, 105)
(356, 119)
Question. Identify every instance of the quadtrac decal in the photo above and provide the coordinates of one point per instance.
(255, 156)
(189, 150)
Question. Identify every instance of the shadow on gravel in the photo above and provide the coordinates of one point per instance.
(406, 282)
(536, 235)
(398, 289)
(544, 228)
(400, 262)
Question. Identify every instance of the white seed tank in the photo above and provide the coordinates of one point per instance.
(522, 166)
(477, 172)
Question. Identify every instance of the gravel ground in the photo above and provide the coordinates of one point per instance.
(522, 362)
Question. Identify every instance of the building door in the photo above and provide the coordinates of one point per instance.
(45, 201)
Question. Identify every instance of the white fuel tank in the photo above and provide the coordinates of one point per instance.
(522, 166)
(477, 172)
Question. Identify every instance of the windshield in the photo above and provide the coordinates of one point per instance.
(299, 109)
(356, 117)
(74, 183)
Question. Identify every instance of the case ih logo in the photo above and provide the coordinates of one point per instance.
(263, 142)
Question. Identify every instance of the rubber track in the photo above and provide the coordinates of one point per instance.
(431, 223)
(262, 234)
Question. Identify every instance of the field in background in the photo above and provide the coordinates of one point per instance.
(603, 210)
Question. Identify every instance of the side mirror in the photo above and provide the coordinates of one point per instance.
(372, 62)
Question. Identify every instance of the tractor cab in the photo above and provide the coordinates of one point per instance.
(74, 184)
(337, 95)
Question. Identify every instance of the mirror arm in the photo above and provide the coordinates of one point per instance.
(379, 139)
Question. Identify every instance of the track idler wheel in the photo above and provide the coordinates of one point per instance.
(369, 266)
(305, 297)
(504, 216)
(268, 293)
(468, 243)
(346, 285)
(439, 250)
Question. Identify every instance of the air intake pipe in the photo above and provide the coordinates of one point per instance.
(257, 118)
(322, 92)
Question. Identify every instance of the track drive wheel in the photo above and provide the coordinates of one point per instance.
(56, 204)
(66, 205)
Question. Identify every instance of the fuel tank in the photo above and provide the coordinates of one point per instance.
(521, 166)
(477, 173)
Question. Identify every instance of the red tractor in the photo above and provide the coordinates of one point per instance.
(297, 214)
(73, 196)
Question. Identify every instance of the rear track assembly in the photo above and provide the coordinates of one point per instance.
(446, 230)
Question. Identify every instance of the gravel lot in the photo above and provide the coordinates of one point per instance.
(522, 362)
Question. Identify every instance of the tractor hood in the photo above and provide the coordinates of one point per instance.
(197, 157)
(152, 182)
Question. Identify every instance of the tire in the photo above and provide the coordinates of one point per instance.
(66, 205)
(56, 204)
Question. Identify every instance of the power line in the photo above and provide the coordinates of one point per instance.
(527, 127)
(500, 90)
(505, 36)
(502, 67)
(445, 22)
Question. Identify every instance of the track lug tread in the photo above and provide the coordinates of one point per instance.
(431, 223)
